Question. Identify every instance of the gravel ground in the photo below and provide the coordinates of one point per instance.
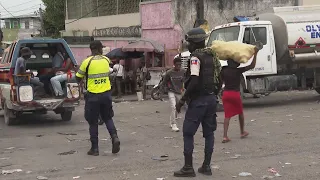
(284, 135)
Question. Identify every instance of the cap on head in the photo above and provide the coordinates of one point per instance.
(196, 35)
(96, 45)
(25, 51)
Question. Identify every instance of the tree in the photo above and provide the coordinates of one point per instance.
(54, 17)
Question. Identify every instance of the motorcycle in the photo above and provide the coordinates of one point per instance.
(157, 90)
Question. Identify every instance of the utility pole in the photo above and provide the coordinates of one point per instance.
(200, 9)
(200, 14)
(42, 33)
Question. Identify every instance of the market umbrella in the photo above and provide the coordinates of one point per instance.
(118, 53)
(144, 45)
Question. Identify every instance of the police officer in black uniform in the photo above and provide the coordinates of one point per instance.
(98, 100)
(201, 86)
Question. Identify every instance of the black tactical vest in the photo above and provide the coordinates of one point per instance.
(206, 84)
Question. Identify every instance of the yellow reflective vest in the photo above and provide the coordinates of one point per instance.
(98, 73)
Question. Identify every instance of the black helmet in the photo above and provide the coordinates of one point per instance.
(196, 35)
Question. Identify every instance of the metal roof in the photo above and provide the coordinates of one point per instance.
(20, 17)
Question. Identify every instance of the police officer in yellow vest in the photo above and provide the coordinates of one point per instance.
(98, 99)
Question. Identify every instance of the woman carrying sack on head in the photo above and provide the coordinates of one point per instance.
(231, 98)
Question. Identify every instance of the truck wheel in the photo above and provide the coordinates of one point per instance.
(318, 90)
(8, 119)
(66, 115)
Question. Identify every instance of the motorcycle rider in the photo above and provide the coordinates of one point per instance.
(202, 84)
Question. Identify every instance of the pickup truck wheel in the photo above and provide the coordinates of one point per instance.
(8, 119)
(318, 90)
(66, 115)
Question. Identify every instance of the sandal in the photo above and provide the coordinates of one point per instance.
(225, 140)
(244, 135)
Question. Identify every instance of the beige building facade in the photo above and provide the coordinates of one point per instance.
(309, 2)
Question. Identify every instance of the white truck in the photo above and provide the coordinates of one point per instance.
(290, 58)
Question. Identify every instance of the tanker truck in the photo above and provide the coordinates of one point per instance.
(290, 57)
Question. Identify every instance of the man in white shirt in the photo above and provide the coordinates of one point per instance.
(119, 77)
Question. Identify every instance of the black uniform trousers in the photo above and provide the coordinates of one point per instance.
(201, 110)
(95, 105)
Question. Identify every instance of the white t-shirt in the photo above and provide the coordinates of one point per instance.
(119, 69)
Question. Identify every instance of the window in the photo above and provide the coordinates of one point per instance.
(251, 35)
(7, 23)
(15, 24)
(225, 34)
(26, 24)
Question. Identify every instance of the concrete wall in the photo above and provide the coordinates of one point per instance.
(219, 12)
(89, 24)
(80, 52)
(158, 24)
(310, 2)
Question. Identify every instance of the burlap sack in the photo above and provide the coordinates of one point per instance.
(235, 50)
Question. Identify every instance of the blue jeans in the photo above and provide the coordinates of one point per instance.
(56, 83)
(201, 110)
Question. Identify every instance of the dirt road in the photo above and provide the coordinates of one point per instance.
(284, 135)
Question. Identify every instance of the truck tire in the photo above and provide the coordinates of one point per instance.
(8, 119)
(66, 115)
(318, 90)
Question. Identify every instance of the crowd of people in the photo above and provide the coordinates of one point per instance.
(197, 87)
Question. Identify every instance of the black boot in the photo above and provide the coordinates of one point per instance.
(94, 151)
(187, 170)
(205, 168)
(115, 144)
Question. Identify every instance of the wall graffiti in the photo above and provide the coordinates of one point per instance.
(132, 31)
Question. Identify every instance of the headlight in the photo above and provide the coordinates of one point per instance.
(25, 93)
(73, 90)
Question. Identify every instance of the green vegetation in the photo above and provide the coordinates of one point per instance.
(53, 17)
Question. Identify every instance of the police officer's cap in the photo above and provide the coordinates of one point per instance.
(196, 35)
(96, 45)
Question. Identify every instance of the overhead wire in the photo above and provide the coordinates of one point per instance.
(30, 8)
(88, 13)
(8, 11)
(36, 5)
(19, 4)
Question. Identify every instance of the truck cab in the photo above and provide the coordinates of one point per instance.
(247, 32)
(16, 92)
